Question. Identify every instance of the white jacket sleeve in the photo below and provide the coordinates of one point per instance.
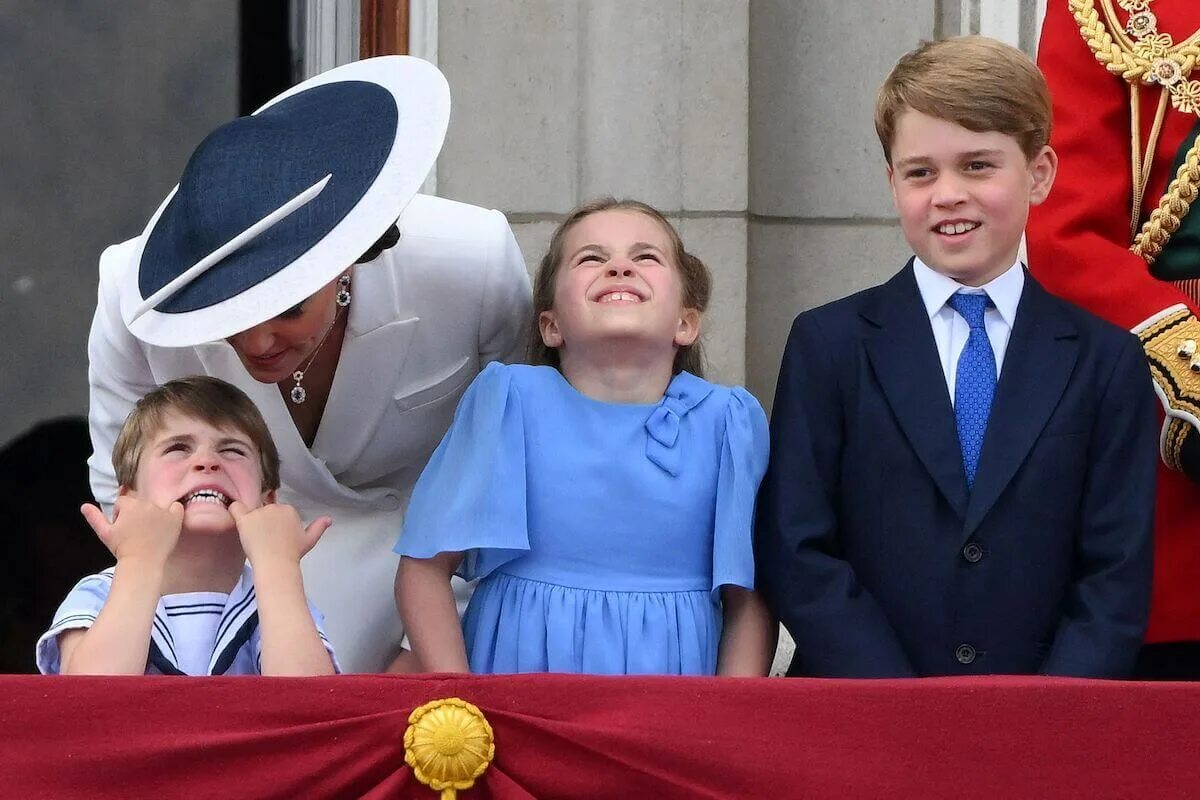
(118, 372)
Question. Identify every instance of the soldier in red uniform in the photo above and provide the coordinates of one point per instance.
(1116, 237)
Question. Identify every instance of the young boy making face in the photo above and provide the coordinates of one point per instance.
(961, 476)
(198, 474)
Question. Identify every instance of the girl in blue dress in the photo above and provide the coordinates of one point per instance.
(605, 497)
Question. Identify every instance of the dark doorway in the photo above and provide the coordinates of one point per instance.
(47, 545)
(265, 52)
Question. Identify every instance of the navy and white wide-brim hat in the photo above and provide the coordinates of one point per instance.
(273, 206)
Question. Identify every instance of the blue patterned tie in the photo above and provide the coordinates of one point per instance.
(975, 381)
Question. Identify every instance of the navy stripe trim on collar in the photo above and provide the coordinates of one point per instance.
(161, 662)
(233, 613)
(161, 631)
(229, 651)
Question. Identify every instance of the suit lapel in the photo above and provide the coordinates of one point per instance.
(352, 415)
(904, 358)
(377, 341)
(1038, 362)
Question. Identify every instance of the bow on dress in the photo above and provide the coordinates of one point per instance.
(684, 393)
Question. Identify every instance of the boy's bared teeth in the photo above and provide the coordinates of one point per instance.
(206, 496)
(953, 228)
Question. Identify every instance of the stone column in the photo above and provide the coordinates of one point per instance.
(821, 219)
(560, 102)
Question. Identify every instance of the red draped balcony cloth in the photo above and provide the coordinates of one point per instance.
(562, 736)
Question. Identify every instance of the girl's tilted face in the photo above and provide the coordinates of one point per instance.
(618, 280)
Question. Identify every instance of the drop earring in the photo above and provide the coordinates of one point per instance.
(343, 293)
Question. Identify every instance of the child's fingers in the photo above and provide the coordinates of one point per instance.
(237, 510)
(176, 510)
(316, 529)
(96, 519)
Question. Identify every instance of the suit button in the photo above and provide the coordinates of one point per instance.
(964, 653)
(972, 552)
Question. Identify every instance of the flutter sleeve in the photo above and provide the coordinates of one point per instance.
(78, 611)
(743, 463)
(470, 498)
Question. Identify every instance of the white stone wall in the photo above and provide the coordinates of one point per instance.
(560, 102)
(821, 218)
(749, 123)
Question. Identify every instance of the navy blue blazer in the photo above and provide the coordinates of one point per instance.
(878, 559)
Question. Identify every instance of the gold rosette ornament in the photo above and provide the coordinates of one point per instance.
(448, 744)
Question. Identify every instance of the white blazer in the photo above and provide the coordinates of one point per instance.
(425, 318)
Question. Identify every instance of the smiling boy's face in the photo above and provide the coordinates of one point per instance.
(963, 196)
(203, 467)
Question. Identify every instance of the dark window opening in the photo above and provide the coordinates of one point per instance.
(265, 56)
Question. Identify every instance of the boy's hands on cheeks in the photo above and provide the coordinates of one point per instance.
(139, 531)
(274, 532)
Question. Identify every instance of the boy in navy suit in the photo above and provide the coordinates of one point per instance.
(962, 465)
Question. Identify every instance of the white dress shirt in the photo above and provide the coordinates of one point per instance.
(950, 330)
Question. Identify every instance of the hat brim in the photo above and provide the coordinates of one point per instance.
(423, 96)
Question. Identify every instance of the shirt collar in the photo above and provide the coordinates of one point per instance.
(238, 622)
(1004, 290)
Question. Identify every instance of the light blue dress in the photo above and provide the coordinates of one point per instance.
(602, 532)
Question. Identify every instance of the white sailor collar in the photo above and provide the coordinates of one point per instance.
(238, 623)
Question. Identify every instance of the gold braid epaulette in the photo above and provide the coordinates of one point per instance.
(1172, 345)
(1172, 208)
(1153, 58)
(1175, 432)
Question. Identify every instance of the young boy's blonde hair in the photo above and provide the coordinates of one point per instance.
(211, 400)
(973, 81)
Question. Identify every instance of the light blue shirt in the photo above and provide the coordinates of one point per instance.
(178, 646)
(950, 330)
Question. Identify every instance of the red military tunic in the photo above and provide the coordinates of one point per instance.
(1079, 240)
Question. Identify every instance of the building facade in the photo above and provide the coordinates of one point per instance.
(747, 121)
